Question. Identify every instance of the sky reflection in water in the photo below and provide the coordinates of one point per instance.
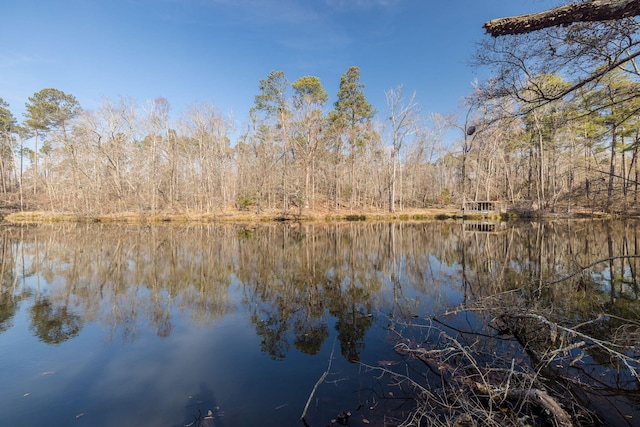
(126, 325)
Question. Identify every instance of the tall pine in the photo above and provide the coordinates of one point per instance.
(352, 116)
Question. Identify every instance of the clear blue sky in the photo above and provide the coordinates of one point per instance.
(217, 50)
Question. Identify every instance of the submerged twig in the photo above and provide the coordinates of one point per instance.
(320, 380)
(606, 346)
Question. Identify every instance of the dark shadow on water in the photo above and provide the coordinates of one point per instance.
(202, 410)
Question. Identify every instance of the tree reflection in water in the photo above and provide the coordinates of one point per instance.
(292, 277)
(52, 324)
(300, 283)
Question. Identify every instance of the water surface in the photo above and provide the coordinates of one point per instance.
(107, 325)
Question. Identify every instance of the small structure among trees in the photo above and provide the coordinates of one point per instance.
(483, 206)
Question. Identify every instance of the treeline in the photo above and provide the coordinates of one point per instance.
(293, 153)
(576, 149)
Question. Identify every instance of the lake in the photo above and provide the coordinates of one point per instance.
(118, 325)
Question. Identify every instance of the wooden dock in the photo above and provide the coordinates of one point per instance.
(485, 207)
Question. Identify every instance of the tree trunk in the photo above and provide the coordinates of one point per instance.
(591, 11)
(392, 189)
(612, 169)
(637, 177)
(35, 165)
(542, 203)
(625, 180)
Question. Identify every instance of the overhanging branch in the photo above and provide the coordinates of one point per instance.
(589, 11)
(544, 99)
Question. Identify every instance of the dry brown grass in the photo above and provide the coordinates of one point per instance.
(236, 216)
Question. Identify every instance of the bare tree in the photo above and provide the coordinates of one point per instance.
(403, 119)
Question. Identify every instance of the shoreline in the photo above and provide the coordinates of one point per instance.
(278, 215)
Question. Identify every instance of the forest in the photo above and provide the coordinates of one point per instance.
(555, 129)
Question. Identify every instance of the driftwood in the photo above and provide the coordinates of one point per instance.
(589, 11)
(537, 396)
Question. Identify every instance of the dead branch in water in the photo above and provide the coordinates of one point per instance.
(537, 396)
(522, 360)
(320, 381)
(614, 350)
(474, 390)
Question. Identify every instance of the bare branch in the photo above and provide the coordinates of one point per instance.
(538, 396)
(320, 381)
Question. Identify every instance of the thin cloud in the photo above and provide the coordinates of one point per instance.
(345, 5)
(11, 61)
(291, 12)
(301, 25)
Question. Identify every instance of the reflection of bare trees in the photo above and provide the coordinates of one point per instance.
(300, 280)
(548, 331)
(53, 324)
(124, 277)
(11, 294)
(539, 253)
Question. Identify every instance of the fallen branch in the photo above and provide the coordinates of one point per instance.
(322, 378)
(606, 346)
(566, 349)
(537, 396)
(570, 331)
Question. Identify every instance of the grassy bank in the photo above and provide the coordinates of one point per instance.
(278, 215)
(232, 215)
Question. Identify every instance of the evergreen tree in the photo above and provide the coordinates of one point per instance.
(308, 100)
(47, 110)
(352, 115)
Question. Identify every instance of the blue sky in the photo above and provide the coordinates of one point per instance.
(216, 51)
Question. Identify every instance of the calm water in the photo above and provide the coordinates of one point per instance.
(131, 325)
